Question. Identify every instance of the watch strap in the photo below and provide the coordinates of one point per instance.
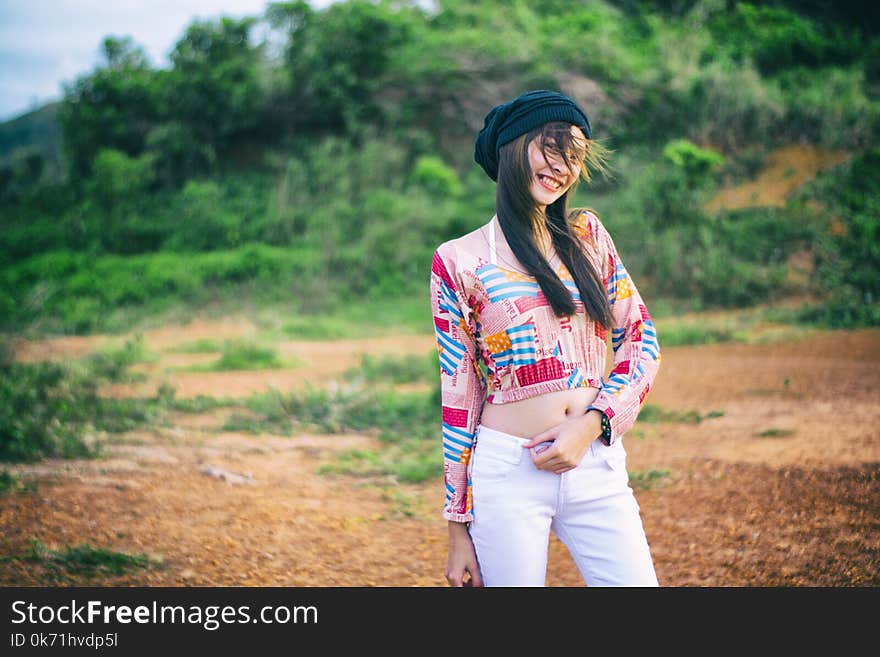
(605, 436)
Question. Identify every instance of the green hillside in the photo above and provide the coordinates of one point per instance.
(316, 170)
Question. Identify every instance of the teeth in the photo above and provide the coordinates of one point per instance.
(549, 181)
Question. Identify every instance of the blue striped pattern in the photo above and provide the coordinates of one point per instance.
(649, 339)
(618, 381)
(455, 440)
(452, 352)
(523, 352)
(449, 302)
(576, 380)
(648, 347)
(618, 275)
(450, 491)
(617, 336)
(494, 280)
(573, 288)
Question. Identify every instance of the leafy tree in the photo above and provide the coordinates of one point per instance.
(114, 106)
(117, 185)
(336, 60)
(22, 173)
(776, 38)
(212, 94)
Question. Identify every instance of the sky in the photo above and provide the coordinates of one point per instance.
(44, 43)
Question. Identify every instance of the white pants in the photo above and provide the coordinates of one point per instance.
(591, 509)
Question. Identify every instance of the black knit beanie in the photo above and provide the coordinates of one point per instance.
(509, 120)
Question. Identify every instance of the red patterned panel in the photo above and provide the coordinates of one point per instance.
(439, 268)
(621, 368)
(525, 304)
(548, 369)
(455, 417)
(635, 333)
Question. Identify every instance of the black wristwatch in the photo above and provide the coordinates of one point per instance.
(605, 436)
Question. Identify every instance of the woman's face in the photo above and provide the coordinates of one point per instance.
(551, 178)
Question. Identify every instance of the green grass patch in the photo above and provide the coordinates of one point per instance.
(68, 292)
(44, 411)
(403, 502)
(197, 404)
(775, 433)
(11, 484)
(389, 414)
(112, 363)
(835, 313)
(756, 325)
(239, 422)
(82, 560)
(269, 412)
(365, 319)
(8, 481)
(395, 369)
(653, 413)
(124, 414)
(405, 422)
(646, 480)
(678, 335)
(408, 460)
(200, 346)
(360, 462)
(305, 327)
(50, 409)
(243, 355)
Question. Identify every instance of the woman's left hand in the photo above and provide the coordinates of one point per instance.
(569, 440)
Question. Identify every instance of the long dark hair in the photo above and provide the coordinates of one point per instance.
(519, 215)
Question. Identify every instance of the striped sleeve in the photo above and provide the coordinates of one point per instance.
(633, 340)
(462, 387)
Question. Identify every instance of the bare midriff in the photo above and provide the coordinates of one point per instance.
(529, 417)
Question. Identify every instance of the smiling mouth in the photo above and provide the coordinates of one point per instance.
(551, 184)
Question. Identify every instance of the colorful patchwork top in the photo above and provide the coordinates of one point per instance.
(494, 314)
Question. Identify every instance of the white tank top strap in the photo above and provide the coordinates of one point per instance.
(492, 254)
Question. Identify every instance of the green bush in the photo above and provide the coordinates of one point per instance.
(241, 355)
(829, 106)
(697, 164)
(670, 191)
(206, 222)
(776, 38)
(42, 412)
(436, 177)
(731, 105)
(847, 249)
(76, 293)
(50, 409)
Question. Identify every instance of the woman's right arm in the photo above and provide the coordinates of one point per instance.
(462, 392)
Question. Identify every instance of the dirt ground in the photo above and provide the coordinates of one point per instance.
(780, 486)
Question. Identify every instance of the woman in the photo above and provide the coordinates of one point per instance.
(534, 443)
